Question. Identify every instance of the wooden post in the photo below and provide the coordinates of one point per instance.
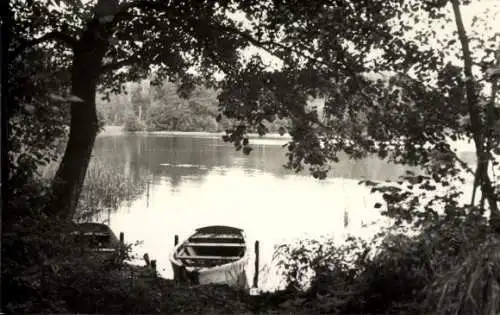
(122, 246)
(176, 240)
(256, 273)
(153, 267)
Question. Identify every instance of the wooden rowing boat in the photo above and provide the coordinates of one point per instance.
(212, 255)
(96, 238)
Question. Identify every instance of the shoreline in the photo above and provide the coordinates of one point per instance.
(118, 130)
(461, 146)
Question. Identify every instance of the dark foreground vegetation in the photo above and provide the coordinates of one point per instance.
(449, 266)
(386, 90)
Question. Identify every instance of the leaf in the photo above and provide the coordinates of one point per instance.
(382, 154)
(261, 130)
(29, 108)
(369, 183)
(378, 205)
(493, 72)
(281, 131)
(247, 150)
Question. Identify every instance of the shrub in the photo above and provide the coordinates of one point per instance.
(471, 286)
(393, 273)
(44, 272)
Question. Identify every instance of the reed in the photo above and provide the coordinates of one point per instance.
(106, 188)
(471, 286)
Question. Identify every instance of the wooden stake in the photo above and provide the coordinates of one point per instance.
(256, 273)
(153, 267)
(122, 245)
(176, 240)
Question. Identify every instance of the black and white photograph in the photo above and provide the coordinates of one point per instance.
(250, 157)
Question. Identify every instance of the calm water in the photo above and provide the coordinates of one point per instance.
(194, 181)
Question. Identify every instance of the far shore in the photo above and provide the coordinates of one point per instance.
(460, 146)
(117, 130)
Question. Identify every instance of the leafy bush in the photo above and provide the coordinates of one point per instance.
(471, 286)
(43, 274)
(392, 273)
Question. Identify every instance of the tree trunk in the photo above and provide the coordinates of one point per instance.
(482, 150)
(86, 69)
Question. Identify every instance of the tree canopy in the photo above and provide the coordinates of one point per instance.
(390, 84)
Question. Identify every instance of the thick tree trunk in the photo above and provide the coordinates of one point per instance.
(70, 176)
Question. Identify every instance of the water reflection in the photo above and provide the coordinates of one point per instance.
(178, 157)
(196, 181)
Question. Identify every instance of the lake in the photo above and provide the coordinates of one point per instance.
(194, 180)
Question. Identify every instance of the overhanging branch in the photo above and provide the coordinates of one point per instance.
(269, 45)
(122, 11)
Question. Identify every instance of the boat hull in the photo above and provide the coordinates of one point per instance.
(231, 273)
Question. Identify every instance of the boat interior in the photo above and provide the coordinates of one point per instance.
(212, 246)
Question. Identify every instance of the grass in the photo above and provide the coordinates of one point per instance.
(106, 188)
(472, 287)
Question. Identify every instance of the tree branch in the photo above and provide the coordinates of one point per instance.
(122, 10)
(57, 36)
(269, 46)
(476, 124)
(490, 113)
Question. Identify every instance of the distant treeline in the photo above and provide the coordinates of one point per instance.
(147, 107)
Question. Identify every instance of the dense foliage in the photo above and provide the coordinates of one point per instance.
(355, 65)
(160, 108)
(393, 272)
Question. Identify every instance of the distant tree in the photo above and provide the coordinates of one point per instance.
(140, 101)
(107, 44)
